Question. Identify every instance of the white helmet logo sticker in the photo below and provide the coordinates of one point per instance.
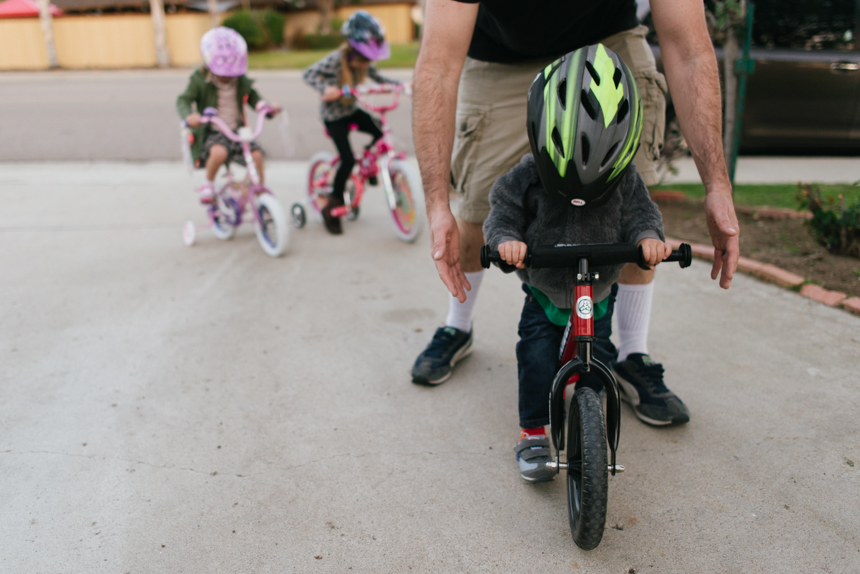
(584, 308)
(578, 202)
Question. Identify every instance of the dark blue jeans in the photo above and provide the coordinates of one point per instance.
(538, 356)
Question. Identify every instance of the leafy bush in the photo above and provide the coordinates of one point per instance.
(273, 24)
(832, 225)
(249, 27)
(323, 41)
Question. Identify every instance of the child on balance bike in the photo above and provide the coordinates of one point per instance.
(578, 187)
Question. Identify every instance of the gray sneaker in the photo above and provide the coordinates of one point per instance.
(532, 455)
(641, 381)
(435, 365)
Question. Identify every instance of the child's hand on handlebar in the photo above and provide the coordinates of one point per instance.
(514, 253)
(654, 251)
(330, 94)
(193, 120)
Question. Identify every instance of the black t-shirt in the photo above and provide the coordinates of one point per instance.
(513, 30)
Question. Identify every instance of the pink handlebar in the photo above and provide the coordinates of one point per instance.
(210, 115)
(361, 91)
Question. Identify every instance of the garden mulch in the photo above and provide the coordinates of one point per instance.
(768, 238)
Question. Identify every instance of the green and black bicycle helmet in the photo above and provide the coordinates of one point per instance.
(584, 124)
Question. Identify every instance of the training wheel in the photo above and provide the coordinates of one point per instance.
(189, 233)
(298, 215)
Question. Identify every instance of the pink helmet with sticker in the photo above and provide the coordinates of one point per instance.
(224, 52)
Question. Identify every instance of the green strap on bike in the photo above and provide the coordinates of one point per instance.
(560, 317)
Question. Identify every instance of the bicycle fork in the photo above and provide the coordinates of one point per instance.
(575, 358)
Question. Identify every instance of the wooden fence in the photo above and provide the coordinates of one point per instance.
(128, 40)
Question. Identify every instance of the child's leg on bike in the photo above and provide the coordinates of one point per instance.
(537, 359)
(338, 130)
(367, 124)
(260, 162)
(216, 155)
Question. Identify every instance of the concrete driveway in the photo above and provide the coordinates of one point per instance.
(210, 409)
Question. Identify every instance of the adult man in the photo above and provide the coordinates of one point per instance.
(507, 43)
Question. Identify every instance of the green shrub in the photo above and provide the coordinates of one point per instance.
(248, 26)
(273, 24)
(832, 225)
(323, 41)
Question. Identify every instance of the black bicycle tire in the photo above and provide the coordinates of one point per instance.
(587, 497)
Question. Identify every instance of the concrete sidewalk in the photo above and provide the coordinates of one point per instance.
(783, 169)
(210, 409)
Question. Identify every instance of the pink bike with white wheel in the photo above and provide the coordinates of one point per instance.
(236, 198)
(380, 163)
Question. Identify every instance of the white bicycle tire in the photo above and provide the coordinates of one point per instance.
(276, 245)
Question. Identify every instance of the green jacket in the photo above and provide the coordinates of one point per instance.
(203, 94)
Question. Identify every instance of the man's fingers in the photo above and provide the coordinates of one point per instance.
(730, 262)
(718, 263)
(454, 286)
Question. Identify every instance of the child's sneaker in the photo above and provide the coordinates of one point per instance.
(641, 381)
(206, 193)
(533, 453)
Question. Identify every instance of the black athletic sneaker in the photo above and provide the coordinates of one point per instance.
(436, 363)
(641, 381)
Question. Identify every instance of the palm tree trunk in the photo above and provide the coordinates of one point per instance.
(730, 85)
(156, 10)
(326, 9)
(213, 13)
(47, 22)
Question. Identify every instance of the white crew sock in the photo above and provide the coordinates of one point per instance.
(460, 314)
(633, 312)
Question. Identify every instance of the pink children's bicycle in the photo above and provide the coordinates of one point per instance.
(380, 163)
(236, 198)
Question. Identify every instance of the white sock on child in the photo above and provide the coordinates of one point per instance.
(460, 314)
(633, 312)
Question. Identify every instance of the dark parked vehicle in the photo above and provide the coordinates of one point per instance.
(804, 95)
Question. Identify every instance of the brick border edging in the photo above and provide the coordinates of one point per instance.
(781, 277)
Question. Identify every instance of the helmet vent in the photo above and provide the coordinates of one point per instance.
(562, 93)
(556, 139)
(617, 76)
(623, 108)
(585, 147)
(593, 72)
(589, 102)
(609, 154)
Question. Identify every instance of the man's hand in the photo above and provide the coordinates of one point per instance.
(445, 248)
(514, 253)
(330, 94)
(654, 251)
(193, 120)
(723, 227)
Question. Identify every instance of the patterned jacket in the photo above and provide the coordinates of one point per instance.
(326, 73)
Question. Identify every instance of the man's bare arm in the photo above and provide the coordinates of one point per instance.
(448, 29)
(691, 70)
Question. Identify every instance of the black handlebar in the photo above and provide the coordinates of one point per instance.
(563, 256)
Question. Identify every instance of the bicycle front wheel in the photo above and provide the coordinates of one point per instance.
(271, 227)
(319, 180)
(401, 202)
(587, 474)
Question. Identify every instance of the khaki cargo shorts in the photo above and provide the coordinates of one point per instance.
(490, 136)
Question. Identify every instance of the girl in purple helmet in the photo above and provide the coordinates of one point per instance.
(348, 66)
(220, 83)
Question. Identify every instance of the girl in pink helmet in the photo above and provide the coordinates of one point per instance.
(349, 66)
(220, 83)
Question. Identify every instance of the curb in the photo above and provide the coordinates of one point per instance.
(774, 274)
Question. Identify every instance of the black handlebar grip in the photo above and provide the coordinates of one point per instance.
(561, 257)
(488, 256)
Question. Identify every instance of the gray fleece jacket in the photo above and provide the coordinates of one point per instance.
(522, 210)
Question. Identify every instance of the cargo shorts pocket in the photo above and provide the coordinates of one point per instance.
(653, 89)
(467, 139)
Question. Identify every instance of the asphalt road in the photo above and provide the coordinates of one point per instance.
(210, 409)
(131, 115)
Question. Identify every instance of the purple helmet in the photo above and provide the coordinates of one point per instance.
(224, 52)
(366, 35)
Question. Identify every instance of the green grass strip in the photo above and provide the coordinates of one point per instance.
(402, 56)
(782, 195)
